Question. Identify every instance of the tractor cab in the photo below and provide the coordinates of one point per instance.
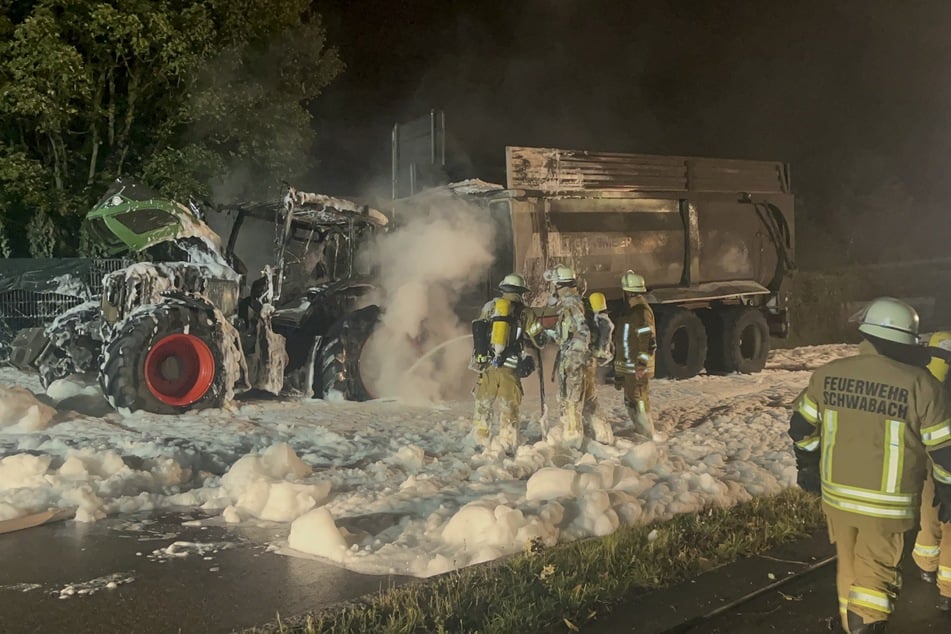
(131, 218)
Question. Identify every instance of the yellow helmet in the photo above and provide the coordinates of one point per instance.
(598, 302)
(891, 319)
(633, 283)
(939, 364)
(513, 283)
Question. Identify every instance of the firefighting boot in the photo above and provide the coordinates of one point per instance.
(480, 433)
(602, 430)
(508, 438)
(572, 434)
(644, 424)
(928, 576)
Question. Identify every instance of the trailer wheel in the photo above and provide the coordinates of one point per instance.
(167, 361)
(681, 344)
(713, 323)
(337, 370)
(744, 340)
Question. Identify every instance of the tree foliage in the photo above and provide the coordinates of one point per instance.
(201, 98)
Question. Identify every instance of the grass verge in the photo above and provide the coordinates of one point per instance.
(569, 585)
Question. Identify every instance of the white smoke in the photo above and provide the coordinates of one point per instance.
(425, 265)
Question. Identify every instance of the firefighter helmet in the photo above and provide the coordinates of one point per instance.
(940, 343)
(891, 319)
(563, 274)
(633, 283)
(513, 283)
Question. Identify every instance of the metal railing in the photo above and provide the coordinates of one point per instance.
(24, 308)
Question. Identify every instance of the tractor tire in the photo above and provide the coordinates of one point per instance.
(681, 344)
(72, 347)
(337, 366)
(743, 341)
(167, 360)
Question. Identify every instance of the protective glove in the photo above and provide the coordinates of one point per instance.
(807, 463)
(618, 382)
(942, 499)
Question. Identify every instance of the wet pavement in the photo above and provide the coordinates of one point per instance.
(152, 574)
(129, 575)
(791, 590)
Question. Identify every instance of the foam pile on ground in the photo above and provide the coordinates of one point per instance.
(93, 483)
(268, 487)
(315, 533)
(20, 411)
(388, 487)
(71, 386)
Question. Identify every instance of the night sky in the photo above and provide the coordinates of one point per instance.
(856, 95)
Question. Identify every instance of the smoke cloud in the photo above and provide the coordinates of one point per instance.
(426, 266)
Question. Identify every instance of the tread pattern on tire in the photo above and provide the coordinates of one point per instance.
(735, 320)
(72, 347)
(669, 322)
(338, 362)
(122, 366)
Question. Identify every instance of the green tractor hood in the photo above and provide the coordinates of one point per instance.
(132, 218)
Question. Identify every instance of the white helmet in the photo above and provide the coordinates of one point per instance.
(513, 283)
(563, 274)
(891, 319)
(633, 283)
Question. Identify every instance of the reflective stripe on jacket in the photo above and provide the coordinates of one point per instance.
(874, 421)
(635, 338)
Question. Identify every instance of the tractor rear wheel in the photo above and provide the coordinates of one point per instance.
(337, 366)
(167, 360)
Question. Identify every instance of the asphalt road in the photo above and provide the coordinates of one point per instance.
(155, 592)
(790, 590)
(808, 604)
(236, 583)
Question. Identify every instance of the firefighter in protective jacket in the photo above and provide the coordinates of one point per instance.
(499, 356)
(602, 353)
(635, 342)
(863, 431)
(932, 551)
(573, 336)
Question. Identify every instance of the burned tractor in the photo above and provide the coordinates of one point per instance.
(185, 326)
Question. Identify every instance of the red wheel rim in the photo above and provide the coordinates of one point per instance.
(179, 369)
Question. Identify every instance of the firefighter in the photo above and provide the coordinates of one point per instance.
(635, 342)
(573, 336)
(602, 353)
(863, 431)
(932, 551)
(499, 334)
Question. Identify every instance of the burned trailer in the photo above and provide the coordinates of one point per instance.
(714, 239)
(181, 329)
